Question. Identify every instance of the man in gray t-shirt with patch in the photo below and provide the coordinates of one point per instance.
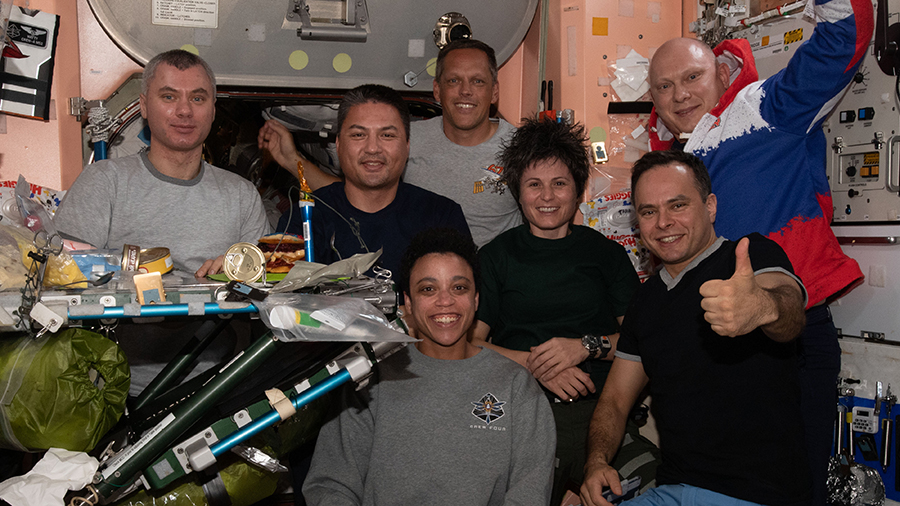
(455, 155)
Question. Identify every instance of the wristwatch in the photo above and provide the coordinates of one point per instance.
(597, 347)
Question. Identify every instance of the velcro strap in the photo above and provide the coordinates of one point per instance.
(281, 403)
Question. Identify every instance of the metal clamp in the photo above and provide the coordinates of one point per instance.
(838, 145)
(352, 27)
(878, 141)
(884, 398)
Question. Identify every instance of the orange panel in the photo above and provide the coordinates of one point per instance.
(641, 25)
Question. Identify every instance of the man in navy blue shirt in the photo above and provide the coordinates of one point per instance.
(371, 208)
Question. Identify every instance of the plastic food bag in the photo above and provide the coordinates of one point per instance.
(34, 216)
(631, 74)
(61, 269)
(613, 216)
(628, 138)
(304, 274)
(853, 484)
(12, 271)
(42, 234)
(303, 317)
(9, 209)
(96, 262)
(48, 397)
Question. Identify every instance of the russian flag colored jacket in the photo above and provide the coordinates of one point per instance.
(765, 150)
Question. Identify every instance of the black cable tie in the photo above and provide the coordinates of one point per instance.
(38, 257)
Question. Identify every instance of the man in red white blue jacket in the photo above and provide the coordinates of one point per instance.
(764, 146)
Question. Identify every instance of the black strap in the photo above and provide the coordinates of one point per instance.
(18, 97)
(24, 81)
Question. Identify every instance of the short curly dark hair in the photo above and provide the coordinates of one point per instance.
(545, 140)
(438, 240)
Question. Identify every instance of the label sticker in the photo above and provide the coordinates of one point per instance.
(192, 13)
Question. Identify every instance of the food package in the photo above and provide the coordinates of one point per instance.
(613, 216)
(61, 268)
(96, 262)
(304, 317)
(12, 270)
(38, 230)
(9, 210)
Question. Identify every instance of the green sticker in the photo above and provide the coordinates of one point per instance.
(597, 134)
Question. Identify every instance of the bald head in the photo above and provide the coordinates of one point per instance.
(686, 82)
(681, 49)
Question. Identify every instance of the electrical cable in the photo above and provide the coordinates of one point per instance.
(352, 222)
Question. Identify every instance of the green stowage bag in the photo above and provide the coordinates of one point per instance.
(244, 483)
(48, 394)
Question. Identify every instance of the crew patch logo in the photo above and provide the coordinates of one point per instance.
(491, 181)
(488, 409)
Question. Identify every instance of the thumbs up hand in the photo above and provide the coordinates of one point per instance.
(737, 305)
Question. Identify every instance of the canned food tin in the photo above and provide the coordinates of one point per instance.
(156, 260)
(244, 262)
(131, 257)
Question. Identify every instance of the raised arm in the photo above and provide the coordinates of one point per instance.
(772, 301)
(620, 392)
(277, 139)
(787, 301)
(821, 68)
